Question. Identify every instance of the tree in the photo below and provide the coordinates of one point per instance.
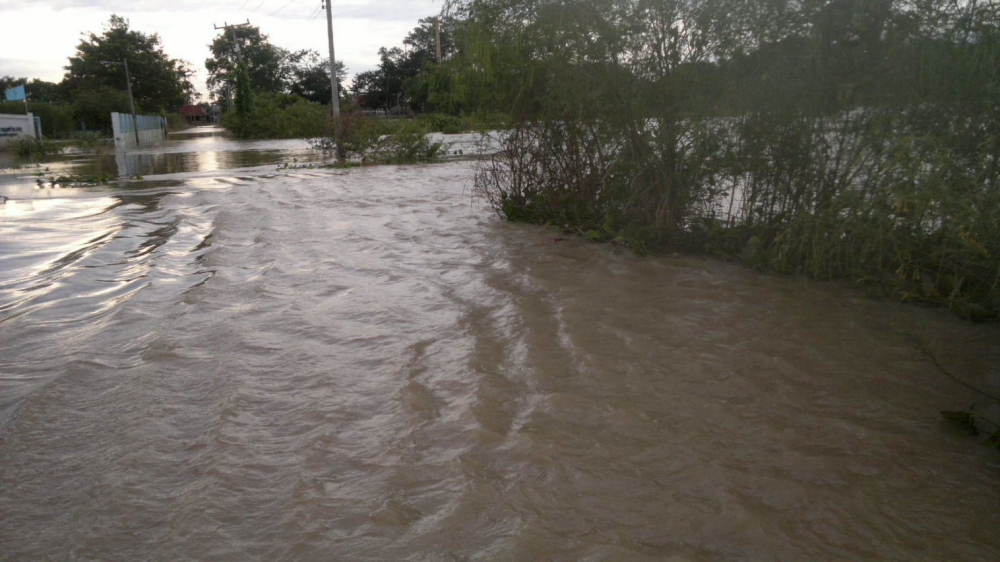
(244, 95)
(267, 66)
(38, 90)
(421, 41)
(411, 75)
(310, 76)
(93, 108)
(383, 87)
(159, 83)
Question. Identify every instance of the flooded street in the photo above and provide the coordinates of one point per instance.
(226, 361)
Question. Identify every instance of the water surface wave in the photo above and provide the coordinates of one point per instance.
(368, 365)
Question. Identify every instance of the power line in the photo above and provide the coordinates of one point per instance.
(243, 5)
(262, 2)
(290, 2)
(226, 27)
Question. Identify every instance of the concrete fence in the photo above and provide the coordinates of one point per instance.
(16, 127)
(152, 129)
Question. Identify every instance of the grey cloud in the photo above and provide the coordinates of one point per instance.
(239, 10)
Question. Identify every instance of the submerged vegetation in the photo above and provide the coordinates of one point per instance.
(855, 139)
(277, 116)
(76, 180)
(27, 147)
(32, 148)
(371, 140)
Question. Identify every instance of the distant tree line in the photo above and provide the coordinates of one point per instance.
(272, 92)
(269, 69)
(94, 84)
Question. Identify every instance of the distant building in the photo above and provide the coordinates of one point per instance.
(201, 114)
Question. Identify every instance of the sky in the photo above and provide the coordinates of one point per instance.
(38, 36)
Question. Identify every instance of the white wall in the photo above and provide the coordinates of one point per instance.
(14, 127)
(152, 129)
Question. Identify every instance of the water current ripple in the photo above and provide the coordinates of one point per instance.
(367, 365)
(67, 264)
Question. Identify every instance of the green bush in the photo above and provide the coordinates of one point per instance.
(92, 109)
(36, 147)
(447, 124)
(57, 120)
(374, 140)
(862, 146)
(89, 142)
(278, 116)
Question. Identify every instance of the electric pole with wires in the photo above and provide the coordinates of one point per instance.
(338, 130)
(239, 56)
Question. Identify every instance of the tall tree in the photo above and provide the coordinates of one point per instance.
(407, 75)
(310, 76)
(267, 65)
(159, 83)
(383, 87)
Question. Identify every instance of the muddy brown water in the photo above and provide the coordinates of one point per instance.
(368, 365)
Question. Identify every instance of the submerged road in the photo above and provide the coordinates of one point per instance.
(226, 363)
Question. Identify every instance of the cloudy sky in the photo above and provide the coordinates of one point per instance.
(37, 36)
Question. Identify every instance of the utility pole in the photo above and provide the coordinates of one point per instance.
(338, 131)
(225, 26)
(239, 55)
(131, 100)
(437, 28)
(131, 103)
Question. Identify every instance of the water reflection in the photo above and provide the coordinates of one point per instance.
(148, 163)
(203, 149)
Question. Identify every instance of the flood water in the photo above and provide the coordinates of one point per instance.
(222, 362)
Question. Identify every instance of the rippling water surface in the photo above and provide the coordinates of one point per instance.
(368, 365)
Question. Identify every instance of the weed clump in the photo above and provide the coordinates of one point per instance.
(34, 148)
(374, 140)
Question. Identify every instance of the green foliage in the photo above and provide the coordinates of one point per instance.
(897, 201)
(38, 90)
(88, 142)
(447, 124)
(373, 140)
(159, 83)
(411, 77)
(310, 77)
(266, 64)
(92, 108)
(854, 139)
(267, 68)
(77, 180)
(57, 120)
(278, 116)
(244, 95)
(34, 148)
